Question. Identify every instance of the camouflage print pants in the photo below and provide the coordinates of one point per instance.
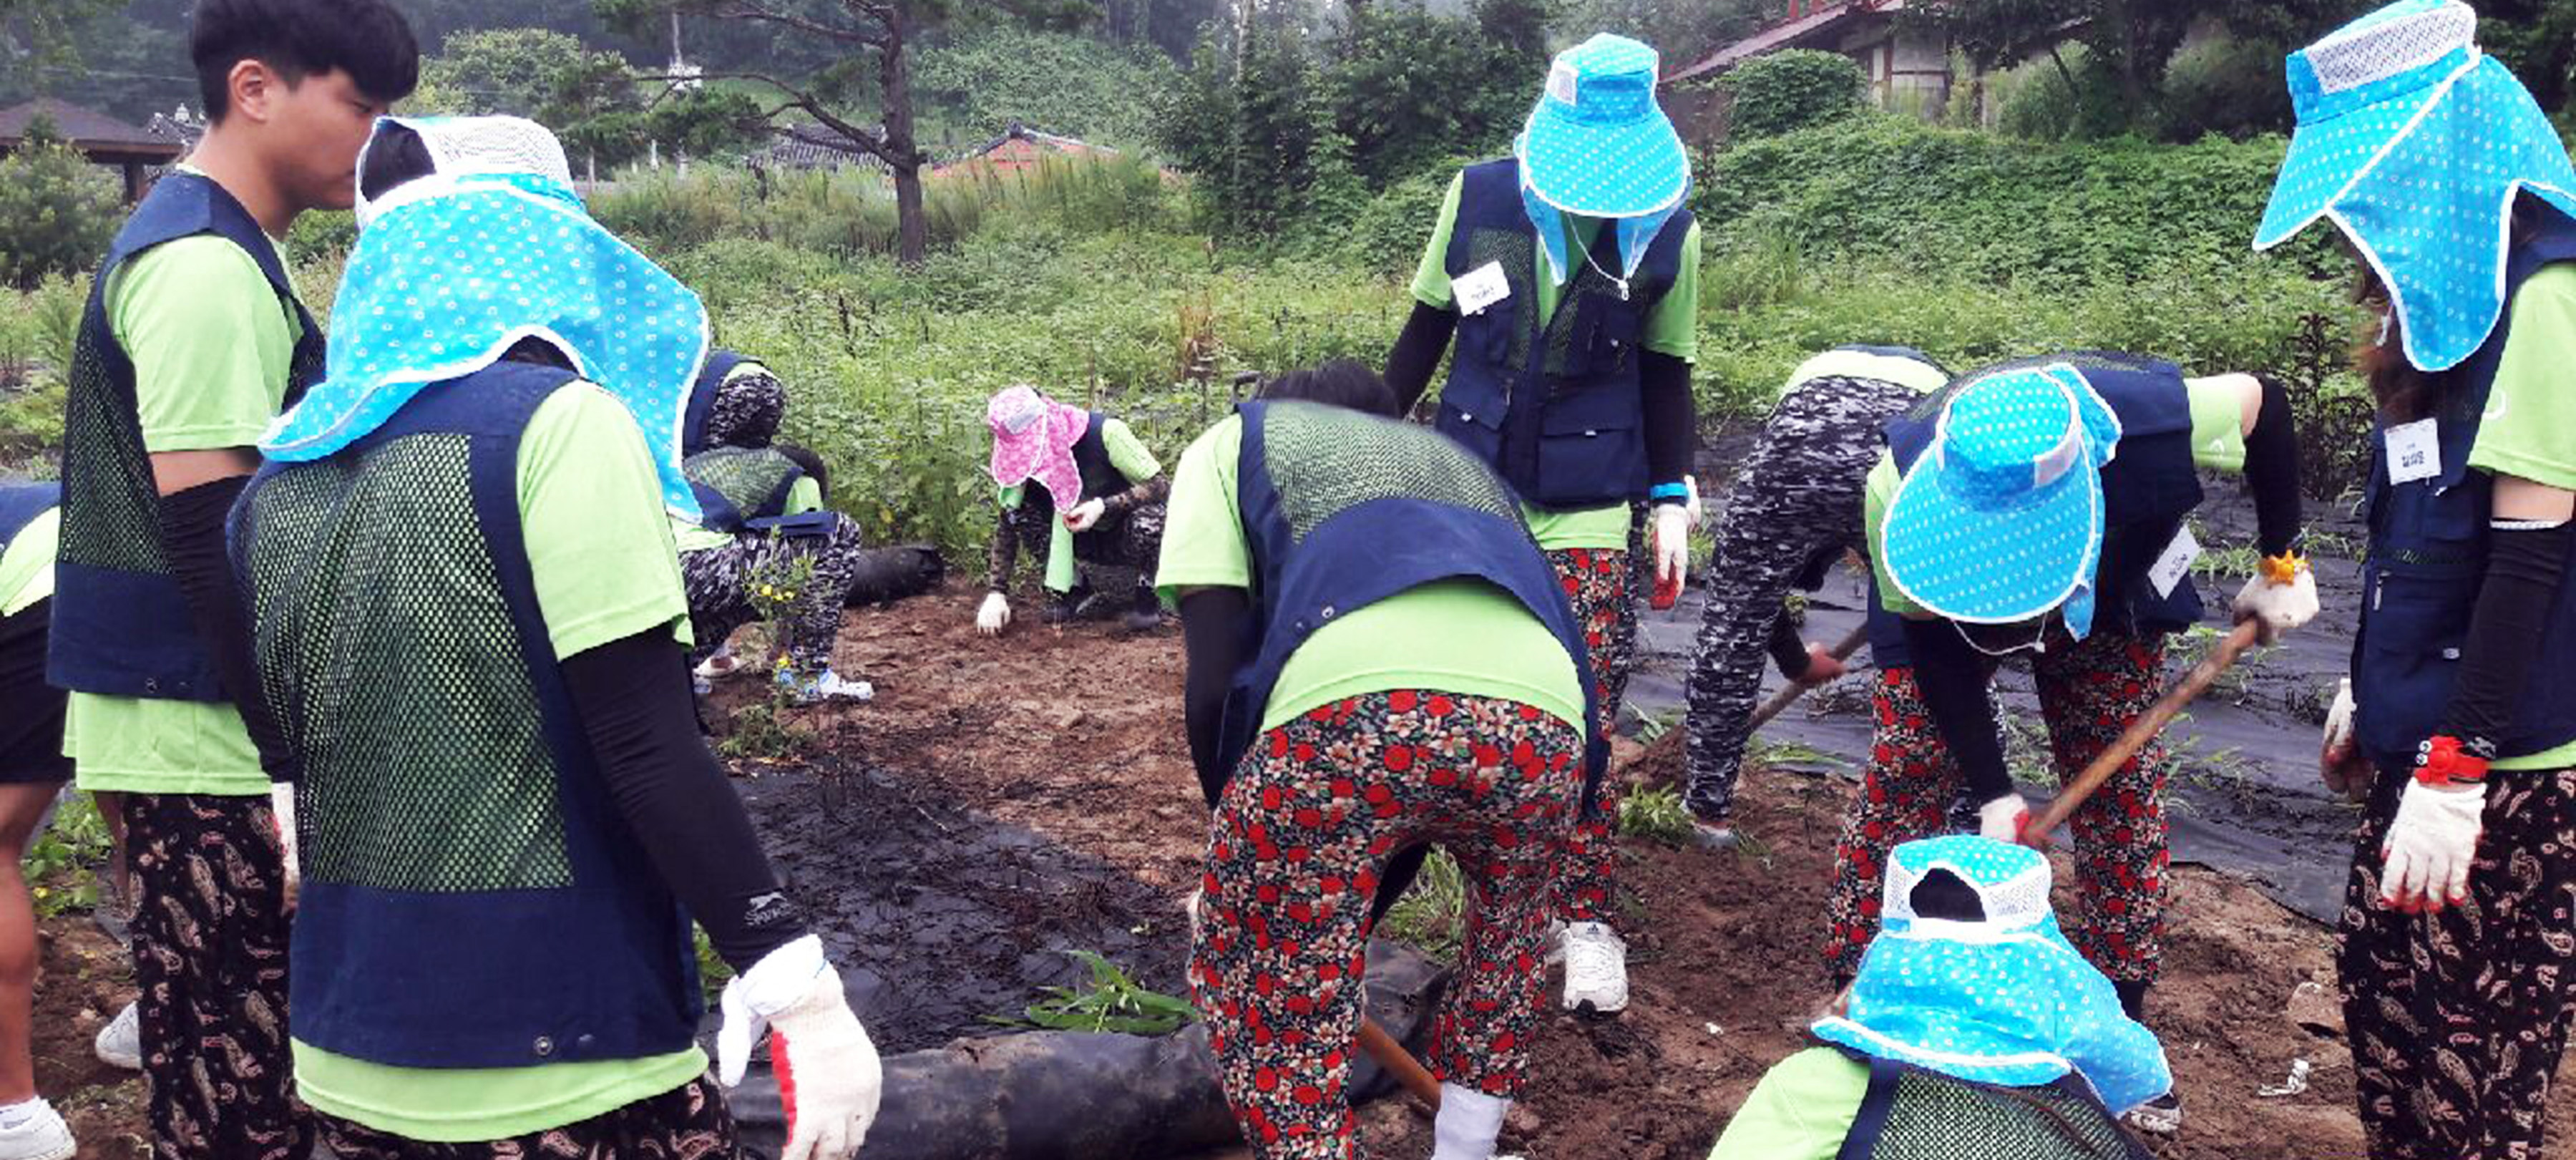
(2089, 691)
(720, 581)
(688, 1122)
(210, 941)
(1796, 503)
(2457, 1018)
(1121, 545)
(1602, 586)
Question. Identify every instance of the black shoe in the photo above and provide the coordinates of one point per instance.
(1147, 615)
(1060, 609)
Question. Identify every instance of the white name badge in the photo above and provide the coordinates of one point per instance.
(2414, 451)
(2175, 563)
(1480, 288)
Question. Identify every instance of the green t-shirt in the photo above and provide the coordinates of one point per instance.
(212, 348)
(27, 566)
(1801, 1110)
(1672, 328)
(804, 495)
(2529, 430)
(1130, 457)
(599, 552)
(2217, 443)
(1455, 636)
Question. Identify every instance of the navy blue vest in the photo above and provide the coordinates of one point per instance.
(1368, 551)
(1552, 404)
(121, 626)
(739, 486)
(534, 943)
(2427, 561)
(2149, 488)
(702, 399)
(21, 503)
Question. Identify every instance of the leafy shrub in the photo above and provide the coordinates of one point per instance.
(2042, 102)
(1792, 90)
(1078, 86)
(57, 211)
(2225, 86)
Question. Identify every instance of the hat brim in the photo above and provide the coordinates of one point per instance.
(1991, 564)
(2327, 158)
(1603, 171)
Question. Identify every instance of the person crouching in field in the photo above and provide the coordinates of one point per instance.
(2036, 507)
(471, 620)
(1794, 510)
(2457, 935)
(1973, 1029)
(762, 535)
(1107, 489)
(1379, 657)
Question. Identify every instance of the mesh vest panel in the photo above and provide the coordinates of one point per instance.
(110, 519)
(1325, 460)
(1936, 1117)
(426, 766)
(749, 478)
(1519, 259)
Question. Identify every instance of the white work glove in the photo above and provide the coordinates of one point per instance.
(281, 803)
(1698, 511)
(994, 615)
(2003, 818)
(829, 1077)
(2277, 607)
(2430, 846)
(2339, 761)
(1672, 546)
(1084, 515)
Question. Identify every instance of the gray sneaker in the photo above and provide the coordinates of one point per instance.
(2161, 1116)
(120, 1043)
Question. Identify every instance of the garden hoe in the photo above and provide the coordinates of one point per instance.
(2140, 731)
(1789, 693)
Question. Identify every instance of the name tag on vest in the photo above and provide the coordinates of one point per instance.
(1480, 288)
(2175, 563)
(2414, 451)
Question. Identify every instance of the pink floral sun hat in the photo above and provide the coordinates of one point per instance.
(1033, 438)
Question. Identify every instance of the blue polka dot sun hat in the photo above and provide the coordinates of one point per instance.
(2000, 520)
(452, 269)
(2415, 144)
(1597, 145)
(2002, 999)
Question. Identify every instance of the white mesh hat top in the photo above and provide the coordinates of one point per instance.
(470, 146)
(2012, 882)
(2392, 42)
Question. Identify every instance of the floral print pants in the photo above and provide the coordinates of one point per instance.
(2089, 691)
(1602, 586)
(2456, 1019)
(1298, 843)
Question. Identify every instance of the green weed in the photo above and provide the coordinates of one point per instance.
(62, 867)
(1109, 1001)
(1429, 916)
(1655, 814)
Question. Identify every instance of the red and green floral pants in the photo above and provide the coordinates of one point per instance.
(1299, 841)
(2089, 691)
(1601, 584)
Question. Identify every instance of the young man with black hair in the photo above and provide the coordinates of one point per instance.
(191, 344)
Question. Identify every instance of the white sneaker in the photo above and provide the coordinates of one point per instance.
(41, 1136)
(719, 664)
(2161, 1116)
(828, 687)
(1596, 969)
(120, 1043)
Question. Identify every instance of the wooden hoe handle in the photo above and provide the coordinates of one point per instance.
(2140, 731)
(1793, 690)
(1399, 1063)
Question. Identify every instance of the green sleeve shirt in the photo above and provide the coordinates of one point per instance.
(599, 552)
(1456, 636)
(212, 346)
(1801, 1110)
(1672, 328)
(27, 566)
(2217, 443)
